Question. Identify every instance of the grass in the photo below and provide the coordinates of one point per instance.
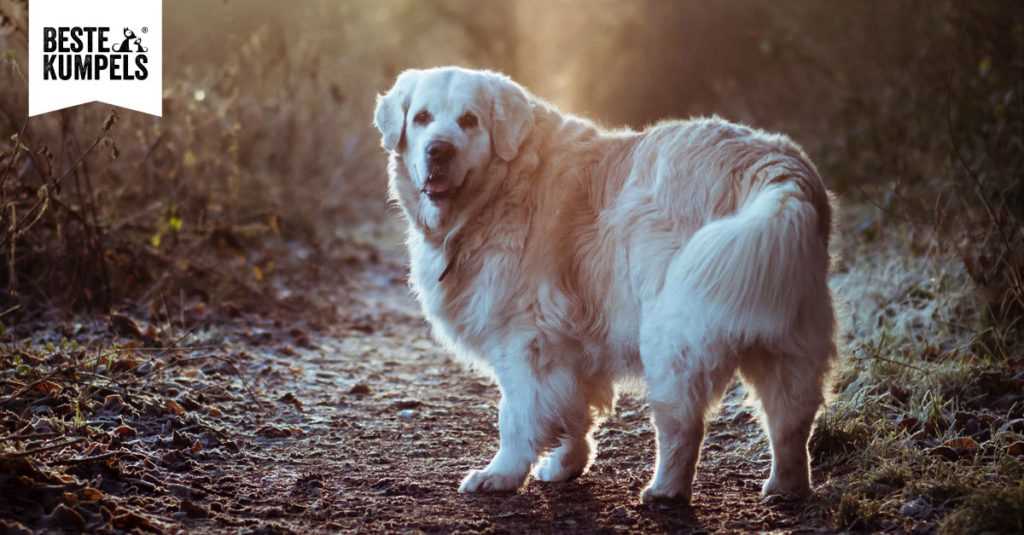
(989, 511)
(921, 430)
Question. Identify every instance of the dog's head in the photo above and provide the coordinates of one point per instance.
(446, 125)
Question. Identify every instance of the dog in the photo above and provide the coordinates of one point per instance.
(565, 259)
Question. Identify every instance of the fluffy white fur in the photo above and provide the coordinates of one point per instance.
(572, 258)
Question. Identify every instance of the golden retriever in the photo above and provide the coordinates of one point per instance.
(564, 259)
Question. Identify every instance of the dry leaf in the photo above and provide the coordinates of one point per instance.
(124, 431)
(175, 407)
(49, 388)
(91, 494)
(124, 326)
(962, 443)
(126, 363)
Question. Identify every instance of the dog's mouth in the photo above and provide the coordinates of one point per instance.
(439, 186)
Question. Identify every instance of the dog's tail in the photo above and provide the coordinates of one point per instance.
(755, 267)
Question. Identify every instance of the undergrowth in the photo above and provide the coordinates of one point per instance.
(926, 428)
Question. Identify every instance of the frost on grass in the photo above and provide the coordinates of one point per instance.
(925, 427)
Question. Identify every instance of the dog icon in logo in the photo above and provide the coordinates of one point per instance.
(129, 39)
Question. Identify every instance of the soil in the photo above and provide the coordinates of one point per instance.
(272, 423)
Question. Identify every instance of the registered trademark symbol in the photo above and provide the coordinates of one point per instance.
(145, 29)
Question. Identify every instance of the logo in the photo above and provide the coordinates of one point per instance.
(95, 50)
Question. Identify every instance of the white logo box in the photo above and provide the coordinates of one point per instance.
(125, 69)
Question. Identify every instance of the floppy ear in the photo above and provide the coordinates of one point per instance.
(512, 117)
(389, 116)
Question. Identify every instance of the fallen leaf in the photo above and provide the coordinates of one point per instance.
(91, 494)
(130, 520)
(962, 443)
(49, 388)
(126, 363)
(151, 331)
(175, 407)
(945, 452)
(908, 423)
(363, 327)
(113, 403)
(275, 431)
(407, 404)
(290, 399)
(194, 510)
(124, 326)
(359, 389)
(64, 518)
(124, 431)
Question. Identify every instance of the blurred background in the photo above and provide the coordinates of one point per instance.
(912, 106)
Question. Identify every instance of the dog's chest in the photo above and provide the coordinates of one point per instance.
(427, 265)
(475, 298)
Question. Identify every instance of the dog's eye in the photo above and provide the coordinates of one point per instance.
(422, 117)
(467, 121)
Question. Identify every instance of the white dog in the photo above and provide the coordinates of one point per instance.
(565, 258)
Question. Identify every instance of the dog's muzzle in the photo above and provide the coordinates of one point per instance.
(438, 185)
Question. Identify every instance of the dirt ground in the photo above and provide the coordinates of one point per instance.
(364, 425)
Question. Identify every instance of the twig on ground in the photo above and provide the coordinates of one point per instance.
(34, 451)
(32, 385)
(30, 436)
(16, 433)
(174, 348)
(896, 362)
(82, 460)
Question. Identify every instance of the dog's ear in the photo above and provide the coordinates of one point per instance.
(389, 116)
(512, 117)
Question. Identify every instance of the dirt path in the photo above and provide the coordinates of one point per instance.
(365, 425)
(387, 424)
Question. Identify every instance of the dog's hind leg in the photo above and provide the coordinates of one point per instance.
(681, 390)
(790, 384)
(576, 449)
(687, 369)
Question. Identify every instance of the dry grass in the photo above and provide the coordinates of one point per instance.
(925, 430)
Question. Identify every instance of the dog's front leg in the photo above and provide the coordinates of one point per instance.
(523, 417)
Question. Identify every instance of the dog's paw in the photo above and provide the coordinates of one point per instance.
(487, 481)
(795, 488)
(552, 470)
(657, 494)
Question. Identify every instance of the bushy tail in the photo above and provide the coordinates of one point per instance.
(755, 267)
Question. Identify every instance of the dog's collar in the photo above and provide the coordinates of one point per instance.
(455, 246)
(447, 269)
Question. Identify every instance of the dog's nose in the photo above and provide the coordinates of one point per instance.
(440, 152)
